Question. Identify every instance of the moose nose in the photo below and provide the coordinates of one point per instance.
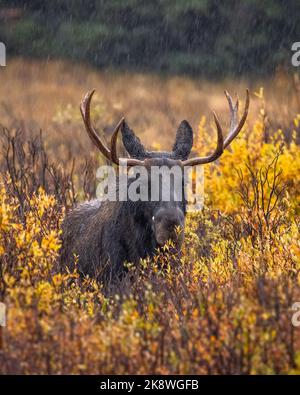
(168, 224)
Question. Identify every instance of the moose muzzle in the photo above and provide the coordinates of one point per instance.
(168, 224)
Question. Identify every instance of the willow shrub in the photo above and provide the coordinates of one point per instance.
(224, 305)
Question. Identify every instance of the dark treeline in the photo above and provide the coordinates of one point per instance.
(211, 38)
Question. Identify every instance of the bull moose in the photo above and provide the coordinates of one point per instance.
(105, 234)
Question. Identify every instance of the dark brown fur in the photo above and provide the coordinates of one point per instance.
(106, 234)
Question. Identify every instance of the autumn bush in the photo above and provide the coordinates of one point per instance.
(222, 306)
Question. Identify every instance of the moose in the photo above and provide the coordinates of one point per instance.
(103, 235)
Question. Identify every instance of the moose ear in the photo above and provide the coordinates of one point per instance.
(132, 143)
(184, 141)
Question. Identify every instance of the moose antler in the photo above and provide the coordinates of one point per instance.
(234, 129)
(109, 153)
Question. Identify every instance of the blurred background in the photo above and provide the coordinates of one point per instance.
(205, 38)
(156, 62)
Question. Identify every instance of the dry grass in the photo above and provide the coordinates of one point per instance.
(33, 92)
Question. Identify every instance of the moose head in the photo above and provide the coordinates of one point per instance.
(165, 217)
